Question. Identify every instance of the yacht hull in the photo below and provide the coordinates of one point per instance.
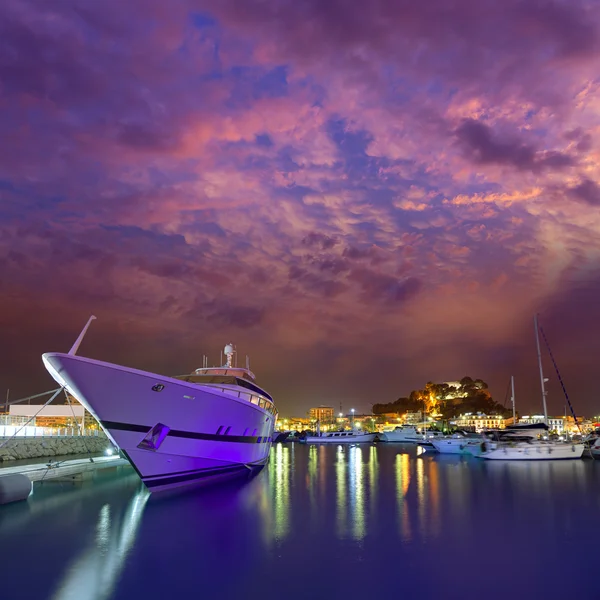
(406, 438)
(349, 439)
(534, 452)
(454, 446)
(174, 433)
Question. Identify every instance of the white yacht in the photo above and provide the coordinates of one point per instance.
(457, 444)
(340, 437)
(212, 423)
(408, 434)
(531, 450)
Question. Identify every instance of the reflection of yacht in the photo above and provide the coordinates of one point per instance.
(94, 574)
(408, 434)
(339, 437)
(212, 423)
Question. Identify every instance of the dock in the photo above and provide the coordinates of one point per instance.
(72, 470)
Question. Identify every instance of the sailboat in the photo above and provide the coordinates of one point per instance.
(523, 446)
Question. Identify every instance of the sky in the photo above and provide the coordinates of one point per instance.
(363, 197)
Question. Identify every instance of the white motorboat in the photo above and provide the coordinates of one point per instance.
(531, 450)
(213, 423)
(408, 434)
(339, 437)
(457, 444)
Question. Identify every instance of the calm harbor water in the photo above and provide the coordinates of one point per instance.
(318, 522)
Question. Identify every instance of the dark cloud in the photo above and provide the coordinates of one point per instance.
(583, 139)
(320, 240)
(482, 146)
(314, 284)
(378, 287)
(487, 43)
(587, 191)
(225, 314)
(168, 268)
(145, 137)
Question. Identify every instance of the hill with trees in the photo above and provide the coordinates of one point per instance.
(446, 400)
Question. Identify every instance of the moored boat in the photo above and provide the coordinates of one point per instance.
(531, 450)
(457, 444)
(408, 434)
(339, 437)
(213, 423)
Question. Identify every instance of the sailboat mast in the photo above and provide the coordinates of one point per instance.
(512, 398)
(542, 380)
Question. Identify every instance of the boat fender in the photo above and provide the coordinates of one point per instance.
(14, 487)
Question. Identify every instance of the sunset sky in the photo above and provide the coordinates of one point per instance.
(362, 196)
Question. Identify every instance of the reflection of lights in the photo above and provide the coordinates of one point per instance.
(421, 494)
(94, 574)
(357, 492)
(109, 452)
(434, 494)
(373, 477)
(341, 512)
(281, 485)
(402, 483)
(311, 480)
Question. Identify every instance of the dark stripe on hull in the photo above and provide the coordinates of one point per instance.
(192, 435)
(203, 475)
(165, 479)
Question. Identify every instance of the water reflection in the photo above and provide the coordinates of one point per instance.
(341, 512)
(329, 511)
(356, 488)
(280, 468)
(94, 573)
(402, 471)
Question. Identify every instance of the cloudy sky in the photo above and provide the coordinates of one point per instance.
(363, 196)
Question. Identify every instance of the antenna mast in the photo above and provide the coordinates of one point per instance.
(78, 341)
(542, 380)
(512, 398)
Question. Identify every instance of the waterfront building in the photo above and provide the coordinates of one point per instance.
(413, 418)
(53, 415)
(325, 414)
(480, 421)
(562, 425)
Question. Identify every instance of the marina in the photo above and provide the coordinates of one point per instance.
(372, 509)
(299, 300)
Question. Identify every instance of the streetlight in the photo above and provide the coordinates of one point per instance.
(352, 411)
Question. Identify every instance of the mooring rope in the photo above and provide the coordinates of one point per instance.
(57, 392)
